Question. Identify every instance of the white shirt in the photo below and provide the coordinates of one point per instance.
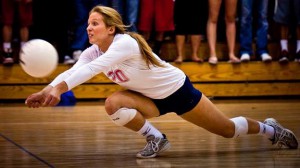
(124, 65)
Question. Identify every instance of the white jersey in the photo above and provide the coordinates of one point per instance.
(124, 65)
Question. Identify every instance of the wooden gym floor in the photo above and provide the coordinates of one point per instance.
(83, 136)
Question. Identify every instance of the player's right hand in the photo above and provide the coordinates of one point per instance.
(35, 100)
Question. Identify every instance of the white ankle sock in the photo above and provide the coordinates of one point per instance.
(298, 46)
(6, 46)
(284, 45)
(149, 129)
(266, 130)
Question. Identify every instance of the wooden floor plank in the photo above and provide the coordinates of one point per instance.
(102, 91)
(84, 136)
(14, 156)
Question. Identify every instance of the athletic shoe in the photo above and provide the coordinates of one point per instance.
(68, 60)
(213, 60)
(154, 146)
(282, 136)
(76, 55)
(265, 57)
(8, 61)
(284, 57)
(8, 58)
(245, 57)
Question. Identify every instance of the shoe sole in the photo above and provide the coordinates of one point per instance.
(213, 63)
(283, 60)
(245, 60)
(267, 60)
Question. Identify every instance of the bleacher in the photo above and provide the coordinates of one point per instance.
(252, 79)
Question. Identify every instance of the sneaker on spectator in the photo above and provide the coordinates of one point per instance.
(245, 57)
(8, 61)
(297, 57)
(8, 58)
(76, 54)
(69, 60)
(213, 60)
(265, 57)
(284, 57)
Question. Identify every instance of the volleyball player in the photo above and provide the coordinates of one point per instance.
(154, 88)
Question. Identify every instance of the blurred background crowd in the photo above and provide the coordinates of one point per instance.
(63, 23)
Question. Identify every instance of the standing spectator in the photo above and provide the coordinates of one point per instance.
(79, 39)
(284, 10)
(230, 14)
(183, 10)
(157, 14)
(129, 10)
(51, 20)
(24, 10)
(246, 37)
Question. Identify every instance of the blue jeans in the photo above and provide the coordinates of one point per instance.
(129, 10)
(82, 9)
(246, 27)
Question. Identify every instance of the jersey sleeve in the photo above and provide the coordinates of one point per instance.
(84, 58)
(119, 51)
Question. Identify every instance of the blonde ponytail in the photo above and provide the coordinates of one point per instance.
(146, 50)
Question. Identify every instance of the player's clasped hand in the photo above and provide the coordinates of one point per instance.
(51, 100)
(35, 100)
(39, 99)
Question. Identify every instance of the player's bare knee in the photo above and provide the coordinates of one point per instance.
(112, 104)
(116, 101)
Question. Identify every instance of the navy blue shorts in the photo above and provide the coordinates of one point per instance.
(181, 101)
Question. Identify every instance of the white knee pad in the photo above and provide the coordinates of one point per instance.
(123, 116)
(241, 126)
